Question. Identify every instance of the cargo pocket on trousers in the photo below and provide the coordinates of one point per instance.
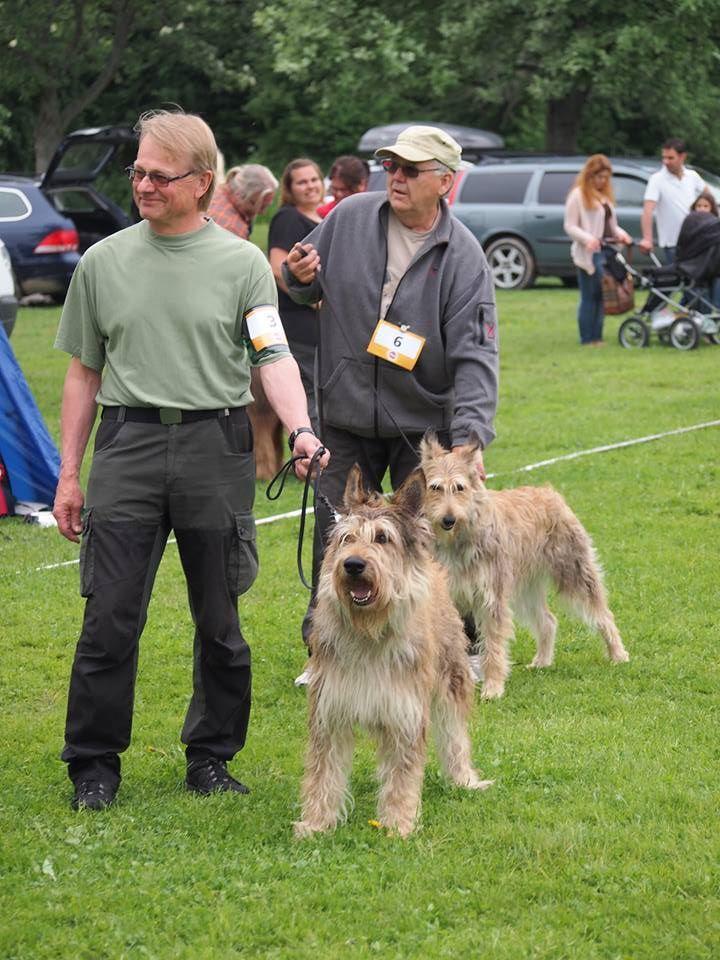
(87, 556)
(243, 565)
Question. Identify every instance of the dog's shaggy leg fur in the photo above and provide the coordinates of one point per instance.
(400, 769)
(577, 576)
(532, 610)
(453, 743)
(325, 787)
(495, 625)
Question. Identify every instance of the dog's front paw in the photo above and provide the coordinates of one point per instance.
(476, 784)
(538, 662)
(492, 689)
(302, 829)
(400, 828)
(620, 656)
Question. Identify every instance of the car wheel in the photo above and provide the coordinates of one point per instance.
(684, 334)
(633, 332)
(511, 262)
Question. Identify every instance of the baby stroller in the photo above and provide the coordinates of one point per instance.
(676, 309)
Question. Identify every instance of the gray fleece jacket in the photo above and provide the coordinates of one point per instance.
(446, 296)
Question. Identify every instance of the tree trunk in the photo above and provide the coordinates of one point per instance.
(49, 129)
(562, 122)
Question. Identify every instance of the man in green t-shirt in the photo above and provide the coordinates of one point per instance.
(163, 322)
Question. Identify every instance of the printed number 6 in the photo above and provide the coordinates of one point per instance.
(398, 342)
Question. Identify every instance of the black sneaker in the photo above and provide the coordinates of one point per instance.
(94, 794)
(210, 776)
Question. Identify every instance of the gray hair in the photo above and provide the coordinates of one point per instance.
(443, 168)
(251, 180)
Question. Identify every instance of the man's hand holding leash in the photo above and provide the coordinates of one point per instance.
(305, 445)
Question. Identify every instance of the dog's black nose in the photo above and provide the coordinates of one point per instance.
(448, 523)
(354, 566)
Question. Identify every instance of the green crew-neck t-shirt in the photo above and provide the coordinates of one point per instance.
(163, 317)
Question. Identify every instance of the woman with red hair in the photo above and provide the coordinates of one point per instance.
(590, 220)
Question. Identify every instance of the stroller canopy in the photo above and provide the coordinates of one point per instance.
(698, 247)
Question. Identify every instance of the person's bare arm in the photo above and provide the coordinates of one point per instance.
(283, 387)
(646, 224)
(76, 421)
(277, 257)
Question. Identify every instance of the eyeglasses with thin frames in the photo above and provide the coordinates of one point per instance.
(136, 174)
(410, 171)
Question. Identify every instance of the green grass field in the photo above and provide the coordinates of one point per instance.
(600, 836)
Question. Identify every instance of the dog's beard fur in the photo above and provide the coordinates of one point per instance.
(388, 653)
(504, 549)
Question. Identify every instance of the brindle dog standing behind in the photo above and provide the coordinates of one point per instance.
(504, 548)
(388, 655)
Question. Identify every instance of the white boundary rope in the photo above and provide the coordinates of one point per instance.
(526, 469)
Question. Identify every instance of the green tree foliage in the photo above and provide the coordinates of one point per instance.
(284, 78)
(58, 57)
(330, 73)
(604, 74)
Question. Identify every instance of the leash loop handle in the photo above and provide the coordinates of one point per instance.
(281, 477)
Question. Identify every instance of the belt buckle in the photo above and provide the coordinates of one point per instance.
(170, 416)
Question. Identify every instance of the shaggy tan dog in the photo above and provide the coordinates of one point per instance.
(503, 549)
(388, 654)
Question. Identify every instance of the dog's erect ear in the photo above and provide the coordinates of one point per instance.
(354, 491)
(410, 495)
(430, 448)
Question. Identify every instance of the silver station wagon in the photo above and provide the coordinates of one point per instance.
(515, 206)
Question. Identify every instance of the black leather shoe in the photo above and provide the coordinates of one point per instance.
(210, 776)
(94, 794)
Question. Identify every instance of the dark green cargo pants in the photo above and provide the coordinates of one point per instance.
(198, 479)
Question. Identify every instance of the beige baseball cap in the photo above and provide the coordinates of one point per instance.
(416, 144)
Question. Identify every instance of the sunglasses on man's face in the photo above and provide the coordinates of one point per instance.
(410, 171)
(136, 174)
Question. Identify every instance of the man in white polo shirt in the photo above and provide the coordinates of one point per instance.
(669, 195)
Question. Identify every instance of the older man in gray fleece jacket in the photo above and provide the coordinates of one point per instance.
(408, 327)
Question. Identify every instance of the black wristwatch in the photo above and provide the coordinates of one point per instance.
(296, 433)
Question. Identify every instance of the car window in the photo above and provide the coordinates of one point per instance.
(555, 186)
(629, 191)
(14, 205)
(712, 180)
(72, 201)
(495, 187)
(81, 159)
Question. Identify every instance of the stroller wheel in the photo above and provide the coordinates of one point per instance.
(633, 332)
(684, 335)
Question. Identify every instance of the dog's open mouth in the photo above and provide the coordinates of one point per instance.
(361, 594)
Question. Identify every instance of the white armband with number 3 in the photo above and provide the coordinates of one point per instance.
(265, 327)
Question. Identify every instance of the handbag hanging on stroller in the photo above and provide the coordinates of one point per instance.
(618, 288)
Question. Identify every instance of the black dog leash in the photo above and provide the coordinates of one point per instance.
(281, 476)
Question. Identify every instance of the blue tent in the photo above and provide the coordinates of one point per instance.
(27, 450)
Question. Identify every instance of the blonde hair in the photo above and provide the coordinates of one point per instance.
(183, 134)
(597, 163)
